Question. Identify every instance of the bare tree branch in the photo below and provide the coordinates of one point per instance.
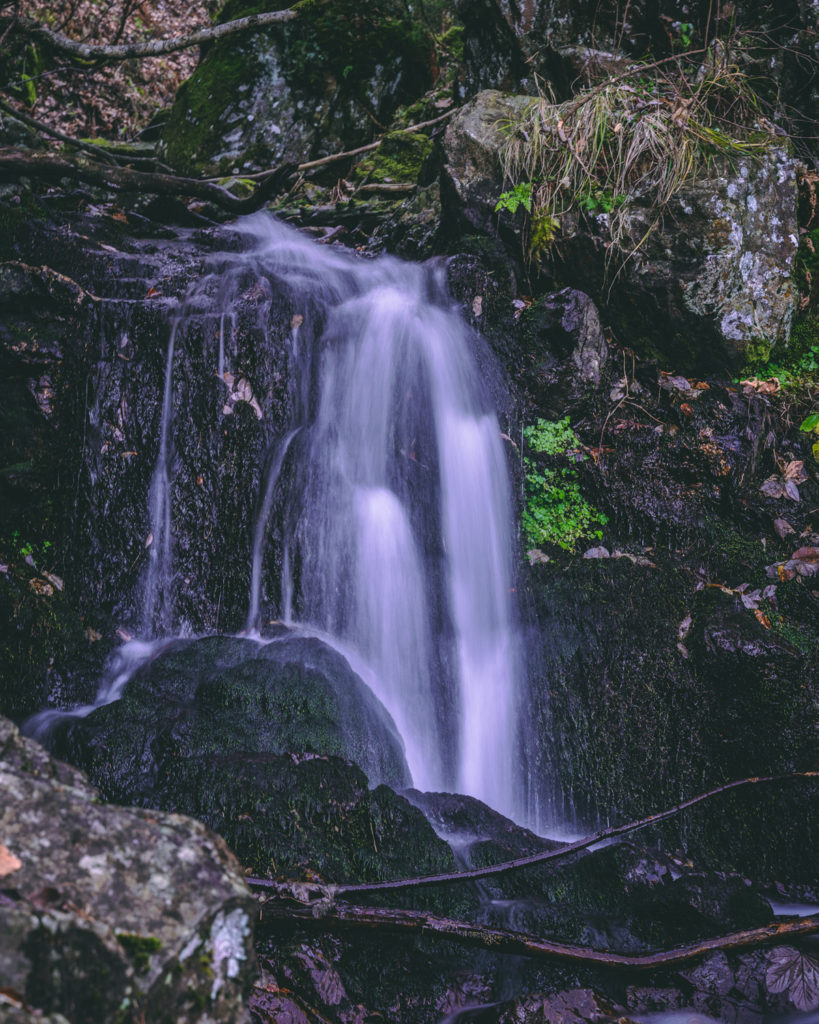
(285, 888)
(344, 916)
(153, 48)
(53, 133)
(14, 164)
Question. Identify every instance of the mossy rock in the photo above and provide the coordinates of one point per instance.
(316, 85)
(399, 158)
(221, 697)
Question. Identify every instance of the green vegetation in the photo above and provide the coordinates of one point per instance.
(796, 367)
(555, 511)
(140, 949)
(634, 138)
(399, 158)
(520, 195)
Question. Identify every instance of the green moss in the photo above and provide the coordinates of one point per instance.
(400, 158)
(452, 41)
(140, 949)
(195, 127)
(329, 55)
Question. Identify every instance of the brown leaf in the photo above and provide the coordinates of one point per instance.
(8, 862)
(686, 409)
(783, 528)
(796, 973)
(806, 554)
(795, 471)
(762, 618)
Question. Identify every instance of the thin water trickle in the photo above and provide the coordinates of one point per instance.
(158, 597)
(278, 455)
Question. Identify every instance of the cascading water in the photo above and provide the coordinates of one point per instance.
(397, 519)
(383, 494)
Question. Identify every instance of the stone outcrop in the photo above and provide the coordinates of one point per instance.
(710, 284)
(113, 914)
(317, 85)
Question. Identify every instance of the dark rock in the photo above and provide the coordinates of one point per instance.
(214, 697)
(319, 84)
(578, 1006)
(246, 737)
(566, 324)
(86, 928)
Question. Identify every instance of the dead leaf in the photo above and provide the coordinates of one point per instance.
(149, 540)
(41, 587)
(795, 973)
(123, 634)
(772, 487)
(91, 635)
(8, 862)
(598, 552)
(783, 528)
(686, 409)
(795, 471)
(792, 491)
(55, 581)
(761, 387)
(296, 320)
(477, 305)
(762, 618)
(806, 554)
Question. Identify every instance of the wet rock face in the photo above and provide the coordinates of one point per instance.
(314, 86)
(113, 914)
(710, 286)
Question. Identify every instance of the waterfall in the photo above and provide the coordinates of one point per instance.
(393, 520)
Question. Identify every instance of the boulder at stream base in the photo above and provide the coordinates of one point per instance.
(257, 741)
(110, 913)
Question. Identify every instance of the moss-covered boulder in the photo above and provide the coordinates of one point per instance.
(321, 83)
(199, 700)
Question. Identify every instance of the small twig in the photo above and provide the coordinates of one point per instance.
(323, 161)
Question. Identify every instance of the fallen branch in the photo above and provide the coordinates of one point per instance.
(15, 164)
(53, 133)
(153, 48)
(347, 154)
(346, 916)
(535, 858)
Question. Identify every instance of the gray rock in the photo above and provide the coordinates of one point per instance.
(567, 324)
(472, 146)
(710, 284)
(109, 913)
